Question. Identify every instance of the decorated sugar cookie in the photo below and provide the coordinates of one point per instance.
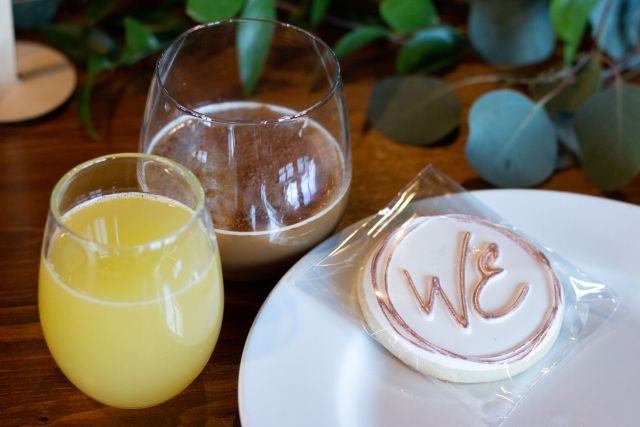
(461, 299)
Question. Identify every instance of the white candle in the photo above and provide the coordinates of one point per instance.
(8, 73)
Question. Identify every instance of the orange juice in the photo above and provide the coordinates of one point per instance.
(132, 318)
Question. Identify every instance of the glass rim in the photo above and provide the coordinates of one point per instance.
(283, 119)
(159, 242)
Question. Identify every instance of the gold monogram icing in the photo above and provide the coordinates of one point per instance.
(379, 281)
(487, 271)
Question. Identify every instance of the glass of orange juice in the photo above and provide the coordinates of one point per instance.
(130, 290)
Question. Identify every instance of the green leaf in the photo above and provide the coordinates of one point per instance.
(612, 39)
(359, 37)
(212, 10)
(587, 82)
(511, 141)
(608, 131)
(318, 10)
(415, 110)
(253, 40)
(513, 32)
(138, 37)
(569, 19)
(428, 47)
(407, 16)
(631, 30)
(80, 42)
(94, 66)
(631, 22)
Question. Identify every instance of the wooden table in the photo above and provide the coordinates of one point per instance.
(34, 155)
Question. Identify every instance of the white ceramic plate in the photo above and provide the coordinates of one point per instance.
(308, 361)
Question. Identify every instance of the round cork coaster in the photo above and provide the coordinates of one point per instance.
(46, 79)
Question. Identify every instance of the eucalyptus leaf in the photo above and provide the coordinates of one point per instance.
(253, 40)
(439, 45)
(631, 22)
(407, 16)
(511, 141)
(569, 19)
(432, 114)
(608, 130)
(514, 32)
(612, 39)
(358, 38)
(587, 82)
(631, 27)
(212, 10)
(139, 38)
(318, 10)
(80, 42)
(259, 9)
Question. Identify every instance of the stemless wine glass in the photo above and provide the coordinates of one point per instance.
(256, 110)
(130, 291)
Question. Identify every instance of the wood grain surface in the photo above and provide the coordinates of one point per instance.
(34, 155)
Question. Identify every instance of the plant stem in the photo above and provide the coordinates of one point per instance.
(484, 79)
(565, 75)
(553, 93)
(614, 69)
(624, 64)
(580, 63)
(333, 20)
(521, 80)
(502, 78)
(346, 24)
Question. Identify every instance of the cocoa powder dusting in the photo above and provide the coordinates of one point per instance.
(258, 177)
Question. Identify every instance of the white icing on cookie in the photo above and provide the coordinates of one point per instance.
(461, 299)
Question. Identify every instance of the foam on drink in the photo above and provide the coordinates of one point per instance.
(274, 189)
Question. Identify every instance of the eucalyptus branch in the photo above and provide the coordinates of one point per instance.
(553, 93)
(484, 79)
(634, 53)
(580, 63)
(503, 78)
(624, 64)
(613, 71)
(331, 19)
(397, 38)
(565, 74)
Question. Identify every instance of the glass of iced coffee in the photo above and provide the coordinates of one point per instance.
(256, 110)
